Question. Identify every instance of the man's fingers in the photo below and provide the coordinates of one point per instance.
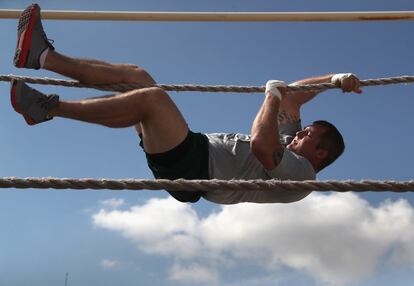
(347, 85)
(350, 84)
(356, 84)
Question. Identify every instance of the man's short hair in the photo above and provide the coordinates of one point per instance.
(332, 141)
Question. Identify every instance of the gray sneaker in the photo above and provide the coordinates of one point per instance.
(32, 104)
(31, 39)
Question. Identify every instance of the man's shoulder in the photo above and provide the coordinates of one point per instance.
(293, 167)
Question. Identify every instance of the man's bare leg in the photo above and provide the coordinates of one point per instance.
(100, 62)
(94, 71)
(162, 123)
(150, 110)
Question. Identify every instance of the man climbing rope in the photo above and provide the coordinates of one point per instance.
(277, 148)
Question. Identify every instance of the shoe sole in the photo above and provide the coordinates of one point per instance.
(28, 119)
(25, 29)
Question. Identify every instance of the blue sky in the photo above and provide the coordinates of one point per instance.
(127, 238)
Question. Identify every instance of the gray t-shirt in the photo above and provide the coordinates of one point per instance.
(230, 158)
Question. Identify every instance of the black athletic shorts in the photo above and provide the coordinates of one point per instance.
(188, 160)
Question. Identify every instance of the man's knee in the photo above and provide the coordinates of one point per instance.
(156, 96)
(150, 100)
(135, 74)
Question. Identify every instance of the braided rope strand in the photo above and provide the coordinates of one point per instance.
(207, 185)
(121, 87)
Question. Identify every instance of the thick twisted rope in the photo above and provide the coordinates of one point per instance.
(207, 185)
(203, 88)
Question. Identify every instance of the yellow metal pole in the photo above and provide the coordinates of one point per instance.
(217, 16)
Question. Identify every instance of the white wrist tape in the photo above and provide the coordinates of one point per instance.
(337, 78)
(272, 87)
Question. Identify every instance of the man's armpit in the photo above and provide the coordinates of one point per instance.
(278, 156)
(287, 117)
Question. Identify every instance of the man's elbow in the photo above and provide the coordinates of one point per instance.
(263, 152)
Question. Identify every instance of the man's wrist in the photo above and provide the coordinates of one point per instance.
(272, 87)
(339, 77)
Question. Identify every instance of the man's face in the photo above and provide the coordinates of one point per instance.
(306, 141)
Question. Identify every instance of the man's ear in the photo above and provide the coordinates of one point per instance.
(321, 154)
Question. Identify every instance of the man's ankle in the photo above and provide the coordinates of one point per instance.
(43, 57)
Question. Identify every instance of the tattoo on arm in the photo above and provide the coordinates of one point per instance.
(278, 156)
(285, 117)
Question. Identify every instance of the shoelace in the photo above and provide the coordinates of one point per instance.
(48, 41)
(43, 100)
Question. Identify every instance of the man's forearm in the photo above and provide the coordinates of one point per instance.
(299, 97)
(265, 130)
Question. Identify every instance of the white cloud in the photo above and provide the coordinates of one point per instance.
(337, 239)
(194, 273)
(159, 226)
(113, 203)
(109, 263)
